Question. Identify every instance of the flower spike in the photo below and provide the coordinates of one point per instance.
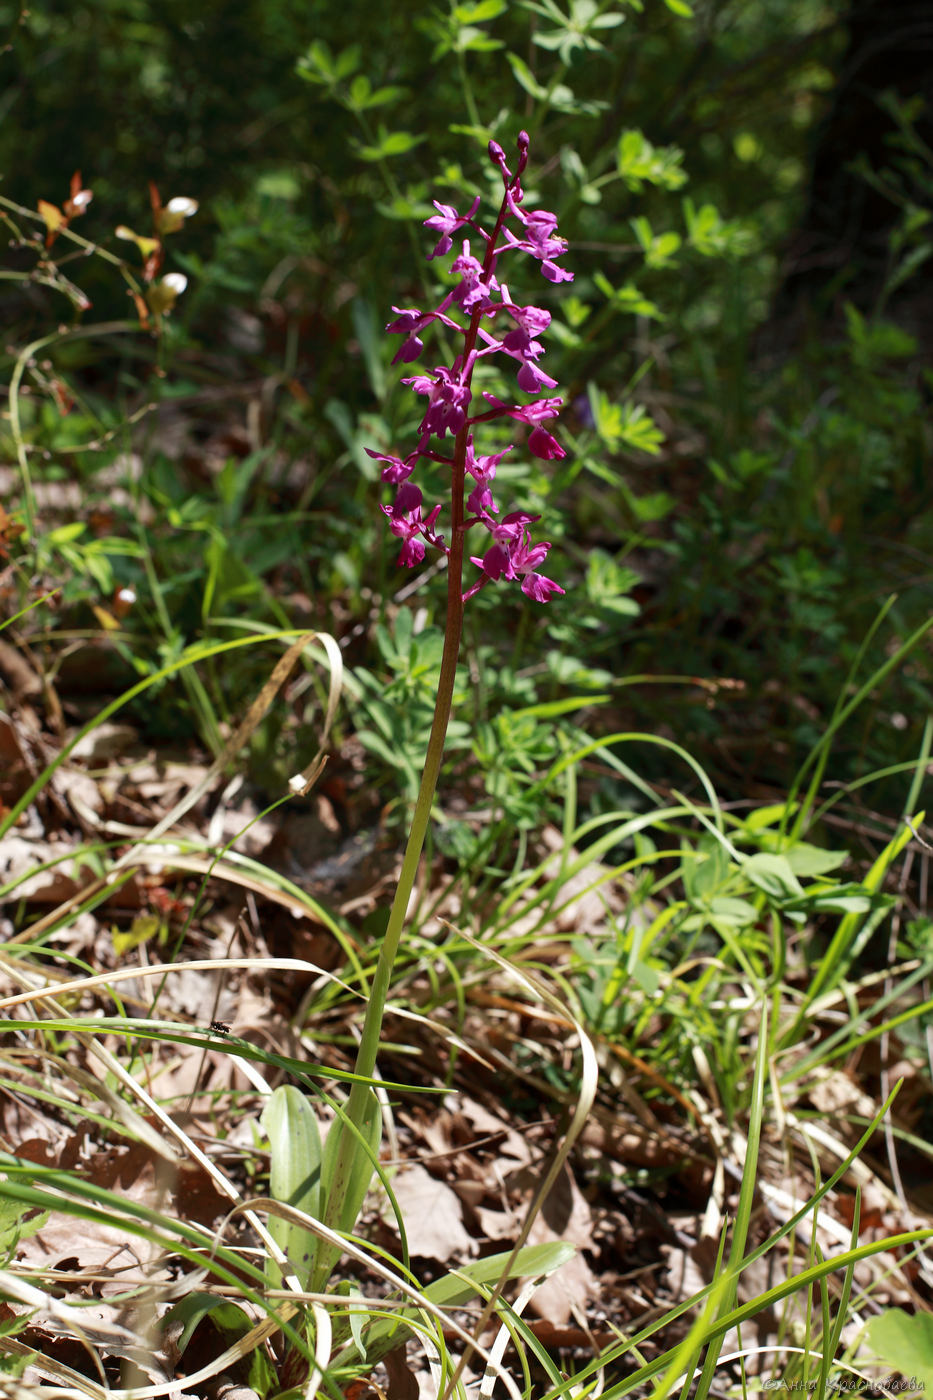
(483, 298)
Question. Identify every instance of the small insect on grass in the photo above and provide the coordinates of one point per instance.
(219, 1028)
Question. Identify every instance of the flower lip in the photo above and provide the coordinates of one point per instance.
(542, 444)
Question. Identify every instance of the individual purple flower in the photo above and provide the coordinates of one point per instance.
(396, 471)
(516, 560)
(511, 528)
(473, 289)
(497, 154)
(541, 443)
(482, 470)
(520, 343)
(524, 412)
(539, 588)
(407, 524)
(532, 379)
(540, 241)
(449, 401)
(530, 321)
(494, 563)
(446, 222)
(409, 323)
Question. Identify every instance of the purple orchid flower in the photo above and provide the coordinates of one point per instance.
(482, 297)
(446, 222)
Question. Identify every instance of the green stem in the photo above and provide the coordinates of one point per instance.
(359, 1102)
(372, 1027)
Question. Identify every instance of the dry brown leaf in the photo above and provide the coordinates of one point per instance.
(80, 791)
(579, 907)
(19, 857)
(17, 672)
(106, 740)
(433, 1216)
(403, 1383)
(564, 1292)
(565, 1216)
(486, 1124)
(498, 1224)
(836, 1094)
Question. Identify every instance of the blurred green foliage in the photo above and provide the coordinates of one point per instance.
(738, 495)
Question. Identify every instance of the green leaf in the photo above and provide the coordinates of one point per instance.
(833, 902)
(143, 927)
(525, 78)
(574, 31)
(679, 7)
(703, 870)
(227, 1317)
(805, 859)
(627, 298)
(904, 1341)
(361, 97)
(764, 817)
(711, 235)
(608, 584)
(773, 875)
(348, 60)
(391, 143)
(732, 912)
(663, 249)
(639, 162)
(64, 534)
(13, 1227)
(454, 1291)
(319, 66)
(651, 507)
(351, 1193)
(359, 91)
(371, 341)
(640, 432)
(623, 425)
(278, 184)
(356, 1314)
(380, 96)
(473, 40)
(262, 1378)
(294, 1177)
(480, 12)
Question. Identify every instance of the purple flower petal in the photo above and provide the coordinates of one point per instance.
(539, 588)
(543, 445)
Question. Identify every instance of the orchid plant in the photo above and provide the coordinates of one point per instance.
(490, 322)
